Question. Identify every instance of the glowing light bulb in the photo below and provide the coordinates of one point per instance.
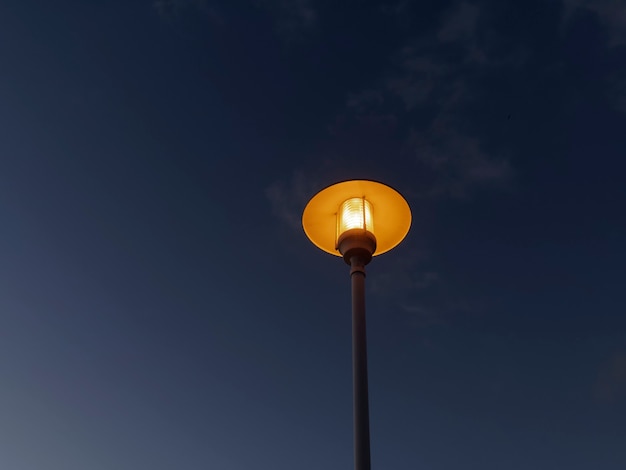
(357, 213)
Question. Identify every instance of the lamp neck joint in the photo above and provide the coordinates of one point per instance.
(357, 265)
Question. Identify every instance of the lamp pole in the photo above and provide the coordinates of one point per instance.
(357, 246)
(359, 366)
(341, 221)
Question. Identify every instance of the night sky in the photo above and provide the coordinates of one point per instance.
(161, 307)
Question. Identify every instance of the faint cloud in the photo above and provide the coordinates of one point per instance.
(426, 279)
(437, 93)
(420, 74)
(365, 99)
(409, 285)
(403, 276)
(421, 317)
(292, 17)
(420, 293)
(367, 111)
(458, 161)
(610, 386)
(288, 199)
(611, 13)
(460, 27)
(378, 122)
(460, 23)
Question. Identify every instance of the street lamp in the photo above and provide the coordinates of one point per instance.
(357, 220)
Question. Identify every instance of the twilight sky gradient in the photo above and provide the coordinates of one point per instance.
(161, 308)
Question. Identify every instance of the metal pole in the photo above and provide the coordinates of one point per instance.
(359, 366)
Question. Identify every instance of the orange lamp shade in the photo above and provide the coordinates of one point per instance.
(357, 204)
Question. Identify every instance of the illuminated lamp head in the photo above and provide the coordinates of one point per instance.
(359, 218)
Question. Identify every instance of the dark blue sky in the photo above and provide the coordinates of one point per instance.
(160, 306)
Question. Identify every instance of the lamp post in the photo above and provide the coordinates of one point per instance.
(357, 220)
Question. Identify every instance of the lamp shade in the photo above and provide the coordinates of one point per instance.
(357, 204)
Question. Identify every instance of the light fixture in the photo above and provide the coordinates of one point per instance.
(357, 207)
(356, 220)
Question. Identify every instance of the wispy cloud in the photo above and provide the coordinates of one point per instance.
(402, 276)
(411, 286)
(287, 199)
(438, 90)
(417, 78)
(422, 317)
(292, 17)
(364, 100)
(457, 160)
(460, 23)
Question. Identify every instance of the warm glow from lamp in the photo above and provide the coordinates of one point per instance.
(347, 207)
(355, 212)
